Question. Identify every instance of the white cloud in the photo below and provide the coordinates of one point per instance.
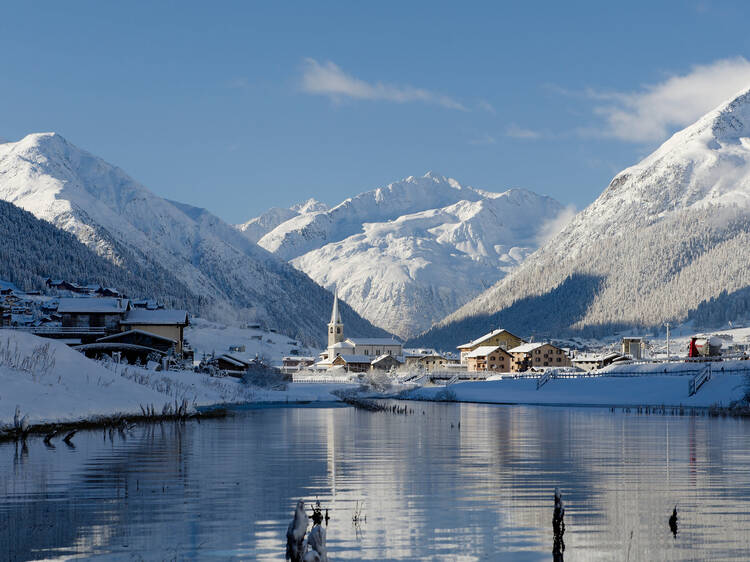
(328, 79)
(553, 226)
(516, 132)
(484, 139)
(653, 113)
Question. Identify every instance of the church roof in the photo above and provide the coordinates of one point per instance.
(374, 341)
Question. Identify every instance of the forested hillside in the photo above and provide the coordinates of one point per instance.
(33, 250)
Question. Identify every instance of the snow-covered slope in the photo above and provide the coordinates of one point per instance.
(256, 228)
(122, 221)
(407, 254)
(669, 239)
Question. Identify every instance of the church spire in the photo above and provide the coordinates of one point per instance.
(335, 315)
(335, 326)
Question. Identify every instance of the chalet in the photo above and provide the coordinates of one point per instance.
(141, 338)
(88, 313)
(133, 345)
(592, 362)
(292, 364)
(500, 337)
(489, 358)
(148, 304)
(107, 292)
(353, 363)
(532, 355)
(232, 365)
(166, 323)
(425, 359)
(385, 363)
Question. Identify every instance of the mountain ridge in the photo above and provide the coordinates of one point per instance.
(406, 254)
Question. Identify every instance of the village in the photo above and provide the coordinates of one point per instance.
(102, 322)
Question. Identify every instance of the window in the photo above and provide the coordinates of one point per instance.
(492, 358)
(331, 330)
(558, 359)
(338, 330)
(377, 352)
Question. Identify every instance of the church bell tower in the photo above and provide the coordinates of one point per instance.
(335, 326)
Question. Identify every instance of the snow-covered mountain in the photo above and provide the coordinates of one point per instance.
(668, 240)
(407, 254)
(121, 220)
(257, 228)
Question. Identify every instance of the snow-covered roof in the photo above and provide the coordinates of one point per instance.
(374, 341)
(385, 356)
(597, 357)
(420, 352)
(233, 360)
(343, 344)
(484, 338)
(356, 358)
(161, 316)
(120, 335)
(526, 347)
(483, 351)
(92, 305)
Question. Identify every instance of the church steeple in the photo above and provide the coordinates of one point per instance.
(335, 326)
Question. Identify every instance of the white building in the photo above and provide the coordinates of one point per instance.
(348, 348)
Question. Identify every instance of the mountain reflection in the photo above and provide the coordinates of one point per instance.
(467, 482)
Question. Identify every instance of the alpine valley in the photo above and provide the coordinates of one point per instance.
(668, 240)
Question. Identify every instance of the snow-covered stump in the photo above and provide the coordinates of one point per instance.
(558, 527)
(295, 534)
(316, 542)
(312, 548)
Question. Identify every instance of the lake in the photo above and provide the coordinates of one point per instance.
(448, 482)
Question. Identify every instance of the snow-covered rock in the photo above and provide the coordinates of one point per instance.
(124, 222)
(668, 240)
(407, 254)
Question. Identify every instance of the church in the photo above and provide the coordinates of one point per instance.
(357, 354)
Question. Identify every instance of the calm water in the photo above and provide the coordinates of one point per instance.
(225, 489)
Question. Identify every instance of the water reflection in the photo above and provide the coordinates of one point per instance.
(467, 482)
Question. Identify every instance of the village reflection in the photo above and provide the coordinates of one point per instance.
(446, 481)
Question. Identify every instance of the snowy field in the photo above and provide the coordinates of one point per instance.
(644, 390)
(211, 337)
(51, 383)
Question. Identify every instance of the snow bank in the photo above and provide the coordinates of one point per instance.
(73, 389)
(52, 383)
(653, 390)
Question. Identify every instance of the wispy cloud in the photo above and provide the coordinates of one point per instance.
(553, 226)
(516, 132)
(654, 112)
(328, 79)
(483, 140)
(484, 105)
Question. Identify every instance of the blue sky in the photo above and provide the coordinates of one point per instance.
(238, 107)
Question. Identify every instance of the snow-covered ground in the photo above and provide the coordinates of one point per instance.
(626, 385)
(211, 337)
(52, 383)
